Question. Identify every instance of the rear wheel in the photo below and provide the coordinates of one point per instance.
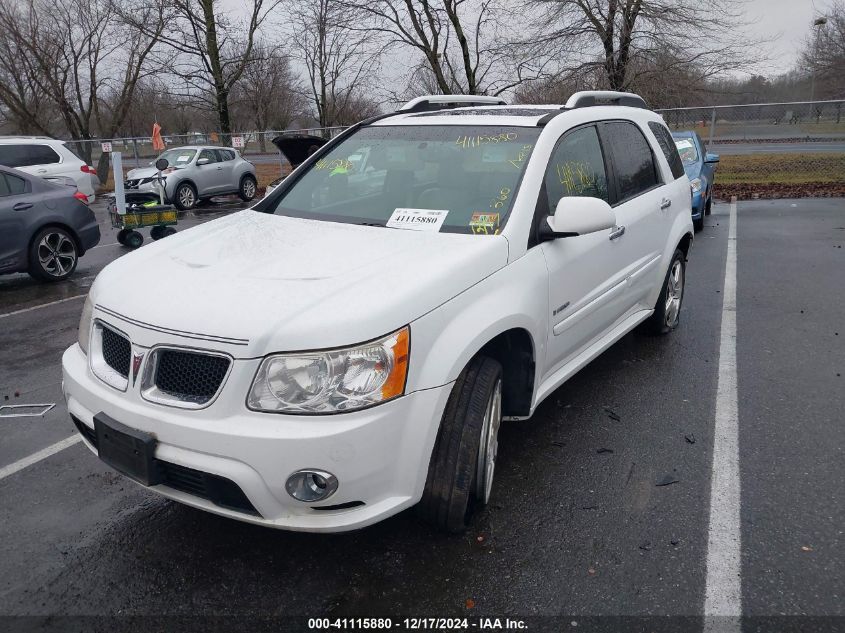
(667, 312)
(248, 188)
(185, 197)
(709, 206)
(157, 232)
(121, 235)
(463, 462)
(698, 224)
(53, 254)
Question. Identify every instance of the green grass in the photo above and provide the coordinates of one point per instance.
(786, 169)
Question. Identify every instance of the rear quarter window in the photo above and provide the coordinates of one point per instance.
(27, 155)
(667, 146)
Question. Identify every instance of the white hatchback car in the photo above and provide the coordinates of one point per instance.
(48, 158)
(348, 347)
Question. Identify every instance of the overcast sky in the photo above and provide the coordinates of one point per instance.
(784, 23)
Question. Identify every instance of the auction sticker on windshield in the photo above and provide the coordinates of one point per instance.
(417, 219)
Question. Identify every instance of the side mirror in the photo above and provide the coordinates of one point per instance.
(203, 161)
(162, 164)
(575, 216)
(711, 158)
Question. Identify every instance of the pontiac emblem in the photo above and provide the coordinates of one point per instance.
(137, 358)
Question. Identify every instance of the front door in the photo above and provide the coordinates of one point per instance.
(15, 206)
(207, 176)
(584, 292)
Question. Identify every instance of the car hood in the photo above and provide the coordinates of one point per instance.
(143, 172)
(288, 284)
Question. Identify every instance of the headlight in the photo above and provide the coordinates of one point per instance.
(695, 185)
(333, 381)
(85, 324)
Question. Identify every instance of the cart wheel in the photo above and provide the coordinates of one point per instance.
(121, 236)
(134, 239)
(157, 232)
(168, 230)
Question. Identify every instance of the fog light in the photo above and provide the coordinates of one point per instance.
(311, 485)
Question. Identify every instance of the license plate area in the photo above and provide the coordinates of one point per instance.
(127, 450)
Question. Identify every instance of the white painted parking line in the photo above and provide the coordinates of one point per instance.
(723, 592)
(44, 453)
(43, 305)
(104, 245)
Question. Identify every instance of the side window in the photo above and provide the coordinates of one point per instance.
(15, 156)
(576, 168)
(4, 187)
(702, 144)
(225, 155)
(633, 162)
(14, 184)
(667, 146)
(210, 154)
(43, 155)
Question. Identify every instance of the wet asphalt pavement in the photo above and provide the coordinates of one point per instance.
(577, 525)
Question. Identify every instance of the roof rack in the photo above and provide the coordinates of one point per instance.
(427, 103)
(27, 137)
(587, 98)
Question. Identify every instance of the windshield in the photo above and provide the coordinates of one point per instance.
(179, 157)
(455, 179)
(686, 148)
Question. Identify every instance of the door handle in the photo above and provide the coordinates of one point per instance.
(665, 204)
(617, 232)
(42, 171)
(22, 206)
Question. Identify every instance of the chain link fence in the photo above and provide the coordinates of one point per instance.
(768, 150)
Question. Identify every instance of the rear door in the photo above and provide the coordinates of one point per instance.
(643, 211)
(15, 210)
(583, 299)
(42, 160)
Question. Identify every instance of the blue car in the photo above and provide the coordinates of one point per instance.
(701, 171)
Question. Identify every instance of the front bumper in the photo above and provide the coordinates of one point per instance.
(379, 455)
(698, 205)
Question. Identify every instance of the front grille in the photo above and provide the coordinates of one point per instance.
(190, 376)
(116, 351)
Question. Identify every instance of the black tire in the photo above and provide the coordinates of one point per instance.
(185, 196)
(248, 188)
(168, 230)
(134, 239)
(451, 488)
(53, 254)
(121, 236)
(157, 232)
(709, 206)
(698, 224)
(663, 321)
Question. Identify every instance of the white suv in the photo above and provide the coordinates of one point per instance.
(50, 159)
(348, 347)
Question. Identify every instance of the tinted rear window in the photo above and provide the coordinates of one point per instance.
(632, 159)
(667, 146)
(27, 155)
(16, 185)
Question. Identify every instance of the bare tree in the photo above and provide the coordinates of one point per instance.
(68, 54)
(270, 95)
(634, 40)
(823, 53)
(338, 58)
(464, 46)
(214, 49)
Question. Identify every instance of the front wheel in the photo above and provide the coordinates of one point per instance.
(185, 197)
(667, 312)
(248, 188)
(463, 462)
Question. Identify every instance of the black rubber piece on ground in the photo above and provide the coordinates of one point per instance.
(449, 496)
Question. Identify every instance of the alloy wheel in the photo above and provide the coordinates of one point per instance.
(186, 197)
(489, 446)
(674, 293)
(56, 254)
(249, 188)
